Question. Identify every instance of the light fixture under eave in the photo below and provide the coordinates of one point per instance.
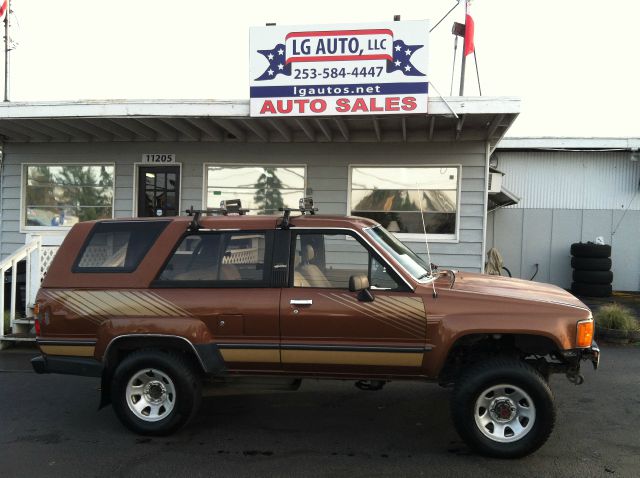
(635, 155)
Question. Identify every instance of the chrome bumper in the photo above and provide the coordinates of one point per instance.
(593, 354)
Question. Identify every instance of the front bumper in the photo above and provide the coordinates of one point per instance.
(592, 353)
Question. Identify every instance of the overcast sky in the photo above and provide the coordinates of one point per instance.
(574, 64)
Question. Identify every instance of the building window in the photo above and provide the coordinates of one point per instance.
(61, 195)
(394, 196)
(262, 189)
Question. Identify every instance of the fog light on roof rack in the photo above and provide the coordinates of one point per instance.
(306, 205)
(232, 206)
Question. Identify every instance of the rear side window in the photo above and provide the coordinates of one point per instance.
(228, 259)
(117, 246)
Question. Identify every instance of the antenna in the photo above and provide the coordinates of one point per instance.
(426, 243)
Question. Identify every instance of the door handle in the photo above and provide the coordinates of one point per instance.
(301, 302)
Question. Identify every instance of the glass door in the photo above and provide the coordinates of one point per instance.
(158, 191)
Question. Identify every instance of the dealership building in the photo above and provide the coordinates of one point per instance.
(369, 141)
(67, 162)
(528, 197)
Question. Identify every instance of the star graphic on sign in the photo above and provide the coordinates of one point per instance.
(401, 61)
(277, 63)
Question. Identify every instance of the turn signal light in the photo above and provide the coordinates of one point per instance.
(584, 337)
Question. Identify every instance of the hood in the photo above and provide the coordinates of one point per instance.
(515, 288)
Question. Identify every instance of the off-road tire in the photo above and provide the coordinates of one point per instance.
(579, 249)
(593, 277)
(502, 371)
(591, 290)
(185, 383)
(591, 263)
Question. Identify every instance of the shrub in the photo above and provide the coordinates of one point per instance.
(615, 316)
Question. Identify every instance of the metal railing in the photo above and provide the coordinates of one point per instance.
(30, 253)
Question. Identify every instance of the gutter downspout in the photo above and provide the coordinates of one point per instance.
(485, 204)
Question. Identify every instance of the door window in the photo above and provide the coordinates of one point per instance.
(329, 259)
(158, 191)
(218, 259)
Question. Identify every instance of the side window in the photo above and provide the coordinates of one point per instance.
(117, 246)
(216, 259)
(328, 260)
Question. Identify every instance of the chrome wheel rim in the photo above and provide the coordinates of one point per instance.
(150, 395)
(504, 413)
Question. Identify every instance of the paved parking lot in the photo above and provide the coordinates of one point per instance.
(50, 426)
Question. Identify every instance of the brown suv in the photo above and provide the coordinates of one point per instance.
(164, 309)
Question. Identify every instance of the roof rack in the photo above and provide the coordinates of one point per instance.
(305, 206)
(227, 208)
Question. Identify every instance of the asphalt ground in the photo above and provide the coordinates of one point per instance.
(50, 426)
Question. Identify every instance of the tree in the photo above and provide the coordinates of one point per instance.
(268, 198)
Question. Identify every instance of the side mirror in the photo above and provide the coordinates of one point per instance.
(360, 283)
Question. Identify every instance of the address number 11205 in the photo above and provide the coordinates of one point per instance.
(159, 158)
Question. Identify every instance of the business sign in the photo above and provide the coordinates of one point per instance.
(322, 70)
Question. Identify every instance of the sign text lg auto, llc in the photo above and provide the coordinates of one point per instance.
(339, 69)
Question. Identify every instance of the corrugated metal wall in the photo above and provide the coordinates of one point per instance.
(571, 180)
(568, 197)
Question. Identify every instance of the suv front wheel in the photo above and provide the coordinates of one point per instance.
(155, 392)
(503, 407)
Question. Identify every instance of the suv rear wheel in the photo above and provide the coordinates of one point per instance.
(155, 392)
(503, 407)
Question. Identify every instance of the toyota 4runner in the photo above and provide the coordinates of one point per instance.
(165, 309)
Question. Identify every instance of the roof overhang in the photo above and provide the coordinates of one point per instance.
(449, 119)
(564, 144)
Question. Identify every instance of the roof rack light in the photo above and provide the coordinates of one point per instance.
(305, 206)
(230, 207)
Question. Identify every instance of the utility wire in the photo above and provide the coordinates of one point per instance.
(475, 58)
(615, 229)
(453, 68)
(446, 15)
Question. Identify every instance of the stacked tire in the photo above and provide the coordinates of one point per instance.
(592, 274)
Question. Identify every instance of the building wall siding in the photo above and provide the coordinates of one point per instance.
(571, 180)
(568, 197)
(526, 237)
(327, 178)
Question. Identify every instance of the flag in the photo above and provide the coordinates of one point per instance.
(402, 53)
(3, 8)
(469, 47)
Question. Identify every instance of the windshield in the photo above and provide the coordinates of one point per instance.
(413, 264)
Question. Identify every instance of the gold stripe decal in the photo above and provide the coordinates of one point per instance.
(251, 355)
(388, 359)
(98, 305)
(405, 314)
(68, 350)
